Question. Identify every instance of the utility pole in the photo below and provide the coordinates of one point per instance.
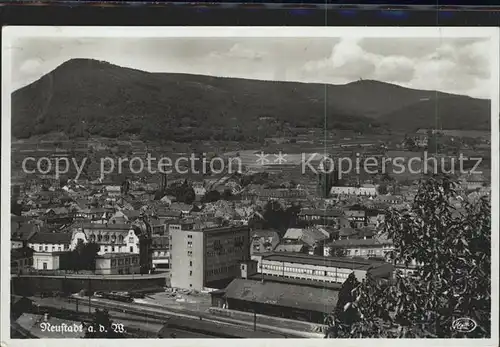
(90, 293)
(254, 321)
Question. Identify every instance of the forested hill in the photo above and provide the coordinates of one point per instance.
(84, 95)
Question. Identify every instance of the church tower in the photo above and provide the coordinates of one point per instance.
(327, 177)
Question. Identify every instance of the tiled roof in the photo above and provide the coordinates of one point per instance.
(132, 213)
(58, 210)
(108, 226)
(51, 238)
(181, 206)
(283, 294)
(168, 213)
(355, 213)
(367, 231)
(98, 210)
(321, 213)
(293, 233)
(264, 233)
(24, 232)
(290, 247)
(347, 232)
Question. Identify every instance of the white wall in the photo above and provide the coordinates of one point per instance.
(51, 261)
(50, 247)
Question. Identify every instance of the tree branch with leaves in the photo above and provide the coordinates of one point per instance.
(451, 251)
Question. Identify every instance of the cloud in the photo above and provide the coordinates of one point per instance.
(396, 69)
(346, 61)
(455, 66)
(451, 65)
(240, 52)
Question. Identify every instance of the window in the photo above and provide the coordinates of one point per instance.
(190, 273)
(190, 253)
(106, 249)
(190, 244)
(46, 248)
(112, 248)
(190, 285)
(190, 236)
(99, 238)
(190, 263)
(40, 248)
(45, 266)
(131, 249)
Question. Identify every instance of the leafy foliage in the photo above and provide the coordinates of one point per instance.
(211, 196)
(338, 252)
(83, 256)
(452, 279)
(382, 189)
(183, 192)
(276, 217)
(345, 314)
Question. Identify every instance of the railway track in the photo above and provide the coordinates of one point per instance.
(166, 313)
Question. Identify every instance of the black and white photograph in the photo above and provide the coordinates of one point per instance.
(246, 182)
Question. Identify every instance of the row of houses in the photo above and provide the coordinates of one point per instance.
(363, 242)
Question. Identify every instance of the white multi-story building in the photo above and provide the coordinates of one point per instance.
(111, 238)
(318, 268)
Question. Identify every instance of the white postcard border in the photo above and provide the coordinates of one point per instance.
(13, 32)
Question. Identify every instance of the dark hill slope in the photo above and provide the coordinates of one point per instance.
(450, 112)
(87, 95)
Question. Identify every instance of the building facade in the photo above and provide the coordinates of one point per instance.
(319, 268)
(21, 259)
(50, 241)
(365, 248)
(206, 257)
(49, 260)
(264, 241)
(117, 264)
(161, 251)
(118, 238)
(111, 238)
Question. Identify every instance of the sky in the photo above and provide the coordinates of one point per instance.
(454, 65)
